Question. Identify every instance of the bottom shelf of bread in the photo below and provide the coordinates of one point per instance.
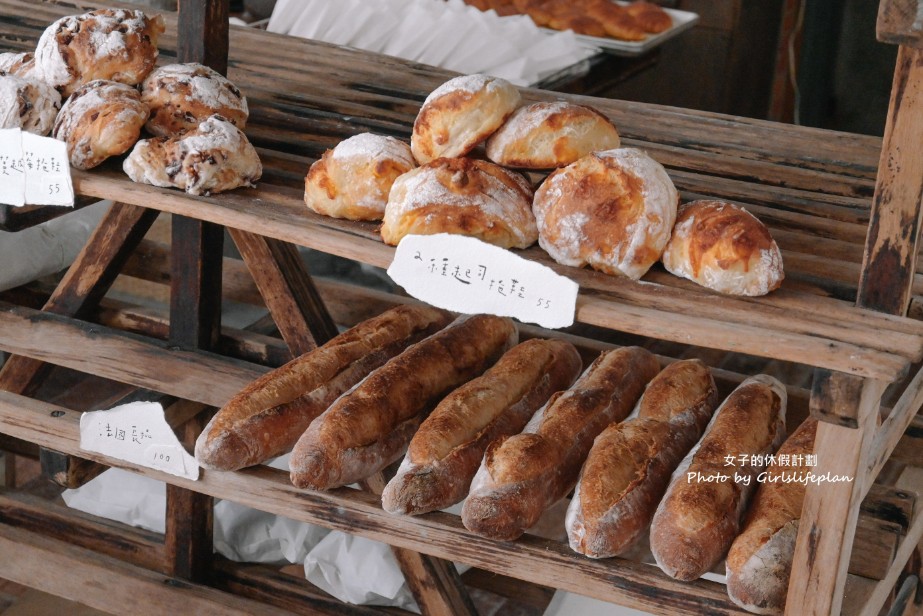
(213, 380)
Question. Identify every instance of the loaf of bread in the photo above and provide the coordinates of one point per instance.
(20, 65)
(267, 417)
(723, 247)
(100, 119)
(611, 210)
(213, 158)
(27, 104)
(447, 449)
(370, 426)
(113, 44)
(550, 135)
(463, 196)
(522, 475)
(651, 17)
(700, 514)
(353, 180)
(630, 464)
(759, 562)
(460, 114)
(181, 96)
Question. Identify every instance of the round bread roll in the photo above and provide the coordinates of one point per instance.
(724, 247)
(353, 179)
(611, 210)
(212, 158)
(180, 96)
(99, 120)
(20, 64)
(114, 44)
(27, 104)
(460, 114)
(463, 196)
(548, 135)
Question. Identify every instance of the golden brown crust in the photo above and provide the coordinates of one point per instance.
(701, 513)
(266, 418)
(404, 389)
(523, 474)
(758, 563)
(447, 449)
(679, 388)
(650, 17)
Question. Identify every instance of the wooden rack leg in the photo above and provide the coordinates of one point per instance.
(830, 512)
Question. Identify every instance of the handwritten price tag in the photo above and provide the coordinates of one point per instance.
(137, 433)
(467, 275)
(34, 170)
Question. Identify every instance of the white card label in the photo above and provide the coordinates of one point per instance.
(467, 275)
(138, 433)
(34, 170)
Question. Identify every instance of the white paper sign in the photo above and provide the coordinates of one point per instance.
(138, 433)
(467, 275)
(34, 170)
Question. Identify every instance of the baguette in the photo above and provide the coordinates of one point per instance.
(268, 416)
(629, 466)
(370, 426)
(524, 474)
(700, 515)
(447, 449)
(760, 560)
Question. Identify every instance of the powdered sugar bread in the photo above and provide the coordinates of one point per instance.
(447, 449)
(464, 196)
(759, 562)
(611, 210)
(460, 114)
(550, 135)
(725, 248)
(114, 44)
(629, 466)
(353, 180)
(20, 64)
(180, 96)
(99, 120)
(212, 158)
(27, 104)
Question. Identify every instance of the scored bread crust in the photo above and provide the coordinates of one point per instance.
(522, 475)
(370, 426)
(447, 449)
(630, 464)
(551, 134)
(268, 416)
(696, 521)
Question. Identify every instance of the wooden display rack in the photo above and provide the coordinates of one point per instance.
(847, 223)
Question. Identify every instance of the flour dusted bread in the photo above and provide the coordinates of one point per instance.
(464, 196)
(353, 180)
(268, 416)
(759, 562)
(180, 96)
(723, 247)
(701, 512)
(629, 466)
(20, 65)
(522, 475)
(460, 114)
(27, 104)
(113, 44)
(611, 210)
(550, 135)
(213, 158)
(445, 452)
(99, 120)
(370, 426)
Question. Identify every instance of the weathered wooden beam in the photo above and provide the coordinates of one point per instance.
(203, 33)
(829, 390)
(900, 22)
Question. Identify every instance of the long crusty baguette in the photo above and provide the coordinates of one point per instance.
(370, 426)
(268, 416)
(447, 449)
(629, 466)
(522, 475)
(700, 515)
(760, 560)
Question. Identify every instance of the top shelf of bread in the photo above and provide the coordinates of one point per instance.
(811, 187)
